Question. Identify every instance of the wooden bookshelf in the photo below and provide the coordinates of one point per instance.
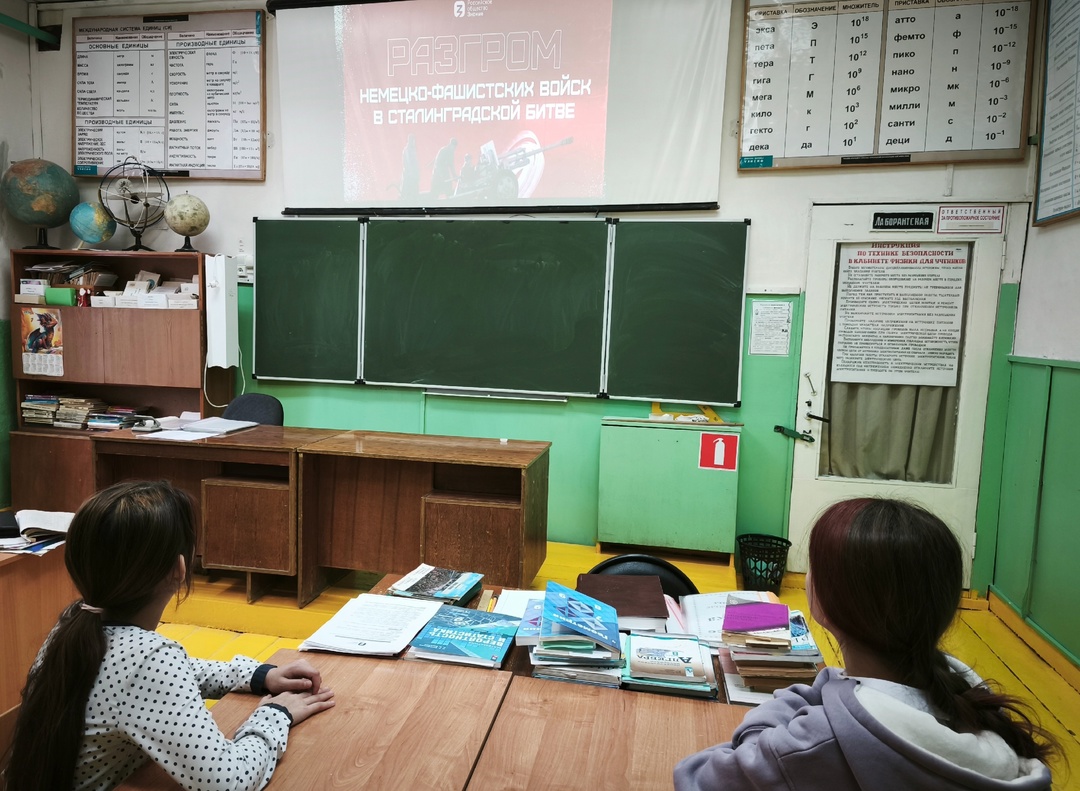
(141, 357)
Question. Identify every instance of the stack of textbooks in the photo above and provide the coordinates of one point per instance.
(702, 614)
(40, 409)
(465, 637)
(74, 412)
(757, 625)
(670, 663)
(578, 639)
(431, 583)
(767, 671)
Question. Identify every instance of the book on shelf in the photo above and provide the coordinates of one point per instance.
(669, 663)
(434, 583)
(638, 599)
(574, 621)
(704, 612)
(33, 531)
(465, 637)
(372, 625)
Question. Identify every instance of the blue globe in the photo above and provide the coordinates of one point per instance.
(39, 193)
(92, 223)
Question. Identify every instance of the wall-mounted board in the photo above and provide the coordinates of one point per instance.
(182, 93)
(1058, 193)
(865, 82)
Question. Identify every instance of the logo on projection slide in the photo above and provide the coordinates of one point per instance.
(719, 452)
(459, 8)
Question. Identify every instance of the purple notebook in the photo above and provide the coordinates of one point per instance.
(755, 616)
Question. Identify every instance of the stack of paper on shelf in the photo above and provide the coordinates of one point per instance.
(669, 663)
(33, 532)
(432, 583)
(638, 599)
(703, 613)
(40, 409)
(74, 412)
(579, 638)
(756, 625)
(372, 625)
(465, 637)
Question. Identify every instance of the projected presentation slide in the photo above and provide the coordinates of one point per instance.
(502, 103)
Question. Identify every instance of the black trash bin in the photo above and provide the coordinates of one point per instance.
(762, 560)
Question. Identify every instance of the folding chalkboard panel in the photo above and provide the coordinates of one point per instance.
(487, 304)
(307, 299)
(676, 311)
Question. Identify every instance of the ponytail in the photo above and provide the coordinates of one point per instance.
(52, 717)
(979, 707)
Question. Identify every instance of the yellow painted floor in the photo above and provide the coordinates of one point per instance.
(215, 622)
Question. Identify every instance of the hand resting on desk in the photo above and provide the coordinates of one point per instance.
(298, 687)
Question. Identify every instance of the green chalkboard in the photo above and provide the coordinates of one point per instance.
(490, 304)
(307, 299)
(676, 311)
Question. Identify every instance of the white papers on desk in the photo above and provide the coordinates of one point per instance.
(176, 436)
(516, 602)
(372, 625)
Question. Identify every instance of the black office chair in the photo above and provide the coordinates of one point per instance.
(672, 579)
(259, 407)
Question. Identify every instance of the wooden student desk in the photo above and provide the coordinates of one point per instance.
(308, 503)
(34, 590)
(402, 724)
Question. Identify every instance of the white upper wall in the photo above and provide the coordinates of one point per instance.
(778, 204)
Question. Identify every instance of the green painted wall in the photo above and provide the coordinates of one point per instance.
(7, 413)
(573, 427)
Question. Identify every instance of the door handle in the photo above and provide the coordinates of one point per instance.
(790, 432)
(812, 416)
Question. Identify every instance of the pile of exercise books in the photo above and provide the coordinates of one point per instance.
(702, 614)
(432, 583)
(73, 412)
(669, 663)
(466, 637)
(767, 671)
(760, 625)
(116, 417)
(578, 639)
(39, 409)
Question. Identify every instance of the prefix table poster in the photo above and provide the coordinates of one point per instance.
(1058, 194)
(182, 93)
(899, 313)
(855, 82)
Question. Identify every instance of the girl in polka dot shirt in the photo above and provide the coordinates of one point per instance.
(107, 692)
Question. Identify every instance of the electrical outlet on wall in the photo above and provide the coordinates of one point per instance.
(245, 268)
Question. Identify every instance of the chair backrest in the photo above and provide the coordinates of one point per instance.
(672, 579)
(261, 408)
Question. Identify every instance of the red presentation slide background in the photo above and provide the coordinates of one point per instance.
(399, 57)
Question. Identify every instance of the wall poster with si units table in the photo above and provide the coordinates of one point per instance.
(182, 93)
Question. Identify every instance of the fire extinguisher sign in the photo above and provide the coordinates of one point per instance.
(719, 452)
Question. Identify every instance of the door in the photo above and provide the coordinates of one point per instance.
(897, 340)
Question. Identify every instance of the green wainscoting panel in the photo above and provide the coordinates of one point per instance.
(1057, 542)
(1020, 476)
(997, 411)
(769, 390)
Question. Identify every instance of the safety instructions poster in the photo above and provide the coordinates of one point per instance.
(182, 93)
(852, 82)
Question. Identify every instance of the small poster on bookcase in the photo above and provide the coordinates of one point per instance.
(42, 342)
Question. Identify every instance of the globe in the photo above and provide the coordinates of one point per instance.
(187, 216)
(39, 193)
(92, 223)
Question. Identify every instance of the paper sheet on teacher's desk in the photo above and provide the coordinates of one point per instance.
(372, 625)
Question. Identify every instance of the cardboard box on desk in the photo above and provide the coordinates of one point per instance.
(102, 301)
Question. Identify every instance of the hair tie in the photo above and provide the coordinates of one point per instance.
(96, 610)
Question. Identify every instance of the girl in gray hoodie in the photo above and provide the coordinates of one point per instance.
(885, 579)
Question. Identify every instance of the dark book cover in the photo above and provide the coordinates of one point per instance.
(634, 595)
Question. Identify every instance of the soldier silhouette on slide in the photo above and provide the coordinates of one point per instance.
(442, 175)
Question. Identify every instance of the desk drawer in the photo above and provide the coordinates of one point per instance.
(475, 533)
(248, 524)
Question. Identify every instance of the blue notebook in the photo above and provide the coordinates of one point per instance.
(571, 616)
